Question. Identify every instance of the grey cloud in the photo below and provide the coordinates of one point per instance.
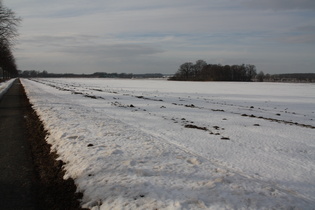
(281, 4)
(57, 40)
(301, 34)
(116, 50)
(299, 39)
(306, 28)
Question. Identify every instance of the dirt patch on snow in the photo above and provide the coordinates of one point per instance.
(195, 127)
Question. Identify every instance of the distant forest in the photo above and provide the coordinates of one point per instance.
(295, 77)
(45, 74)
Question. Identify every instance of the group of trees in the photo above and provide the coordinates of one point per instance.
(201, 71)
(8, 31)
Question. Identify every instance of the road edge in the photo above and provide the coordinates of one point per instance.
(54, 192)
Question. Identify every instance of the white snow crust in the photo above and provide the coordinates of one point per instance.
(157, 144)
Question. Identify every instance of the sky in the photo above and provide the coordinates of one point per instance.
(157, 36)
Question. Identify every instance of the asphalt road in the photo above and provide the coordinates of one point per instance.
(17, 184)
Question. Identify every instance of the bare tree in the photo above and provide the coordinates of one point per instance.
(260, 76)
(8, 31)
(199, 65)
(8, 24)
(186, 70)
(251, 71)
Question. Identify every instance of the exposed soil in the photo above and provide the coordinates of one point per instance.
(195, 127)
(280, 121)
(53, 191)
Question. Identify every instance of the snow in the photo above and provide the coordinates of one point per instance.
(157, 144)
(4, 86)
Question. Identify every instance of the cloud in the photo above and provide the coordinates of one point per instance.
(51, 40)
(298, 39)
(304, 34)
(95, 46)
(306, 28)
(113, 50)
(281, 4)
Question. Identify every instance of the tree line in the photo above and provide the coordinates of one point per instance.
(293, 77)
(201, 71)
(8, 31)
(45, 74)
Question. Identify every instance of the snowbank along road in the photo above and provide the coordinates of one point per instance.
(152, 144)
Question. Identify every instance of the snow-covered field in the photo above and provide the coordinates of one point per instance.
(156, 144)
